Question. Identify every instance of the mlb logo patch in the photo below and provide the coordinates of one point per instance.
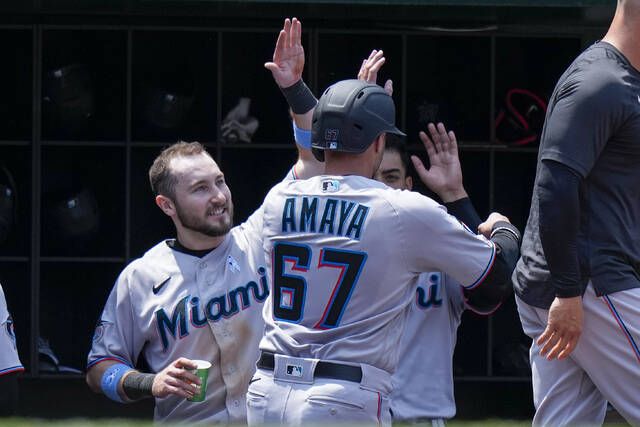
(330, 185)
(331, 135)
(294, 370)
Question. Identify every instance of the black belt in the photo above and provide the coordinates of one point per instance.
(337, 371)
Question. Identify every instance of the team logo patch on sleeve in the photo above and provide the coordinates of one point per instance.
(98, 333)
(330, 185)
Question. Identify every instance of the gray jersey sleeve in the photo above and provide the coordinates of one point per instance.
(437, 241)
(116, 336)
(9, 360)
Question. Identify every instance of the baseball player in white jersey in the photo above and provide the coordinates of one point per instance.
(421, 394)
(198, 296)
(9, 361)
(344, 253)
(423, 382)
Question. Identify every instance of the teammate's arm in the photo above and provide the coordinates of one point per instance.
(444, 177)
(559, 207)
(286, 67)
(132, 385)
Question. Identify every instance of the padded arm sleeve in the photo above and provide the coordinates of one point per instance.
(497, 285)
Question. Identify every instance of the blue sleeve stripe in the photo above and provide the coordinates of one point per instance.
(486, 271)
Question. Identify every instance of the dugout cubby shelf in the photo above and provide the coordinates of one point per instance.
(83, 88)
(91, 97)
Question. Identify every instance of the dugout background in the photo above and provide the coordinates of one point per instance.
(81, 120)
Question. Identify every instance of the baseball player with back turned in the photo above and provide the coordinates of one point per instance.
(578, 281)
(419, 394)
(344, 253)
(10, 364)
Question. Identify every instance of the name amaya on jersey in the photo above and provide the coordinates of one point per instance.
(330, 216)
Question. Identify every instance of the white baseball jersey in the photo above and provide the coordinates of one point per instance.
(344, 254)
(169, 304)
(423, 381)
(9, 360)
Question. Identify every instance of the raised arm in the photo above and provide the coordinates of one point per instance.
(444, 176)
(286, 67)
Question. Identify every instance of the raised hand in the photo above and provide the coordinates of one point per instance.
(444, 177)
(370, 67)
(176, 379)
(288, 55)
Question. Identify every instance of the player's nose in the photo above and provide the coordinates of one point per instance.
(218, 196)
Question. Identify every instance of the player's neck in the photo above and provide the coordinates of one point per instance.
(624, 34)
(349, 164)
(342, 170)
(197, 241)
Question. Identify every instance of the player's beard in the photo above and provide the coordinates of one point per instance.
(195, 223)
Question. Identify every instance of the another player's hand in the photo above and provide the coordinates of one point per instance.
(176, 379)
(288, 55)
(564, 327)
(444, 177)
(369, 70)
(486, 227)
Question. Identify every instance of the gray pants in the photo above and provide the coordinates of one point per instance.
(276, 397)
(605, 366)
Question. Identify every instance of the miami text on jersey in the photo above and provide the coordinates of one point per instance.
(331, 216)
(218, 307)
(431, 297)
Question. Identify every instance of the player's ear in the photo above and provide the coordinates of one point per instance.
(408, 183)
(166, 204)
(381, 142)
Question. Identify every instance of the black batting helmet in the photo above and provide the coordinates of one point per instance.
(349, 117)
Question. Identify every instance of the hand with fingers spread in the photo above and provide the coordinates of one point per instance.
(563, 330)
(288, 57)
(176, 379)
(370, 67)
(444, 177)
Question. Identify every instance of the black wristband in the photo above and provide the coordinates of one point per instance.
(299, 97)
(137, 385)
(507, 227)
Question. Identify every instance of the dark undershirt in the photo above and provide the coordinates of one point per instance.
(176, 246)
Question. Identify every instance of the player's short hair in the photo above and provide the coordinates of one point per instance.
(161, 178)
(393, 143)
